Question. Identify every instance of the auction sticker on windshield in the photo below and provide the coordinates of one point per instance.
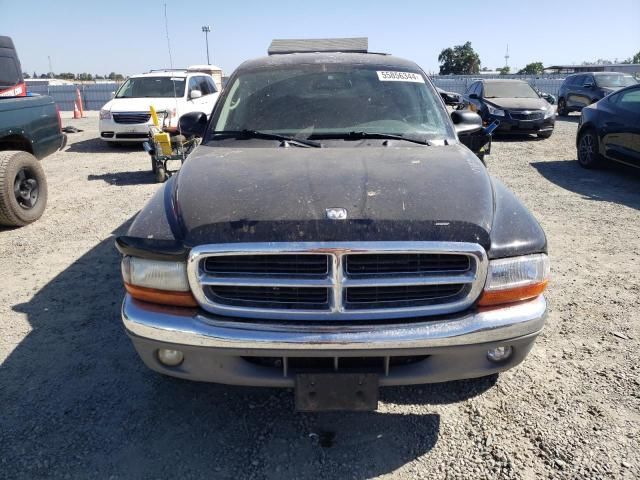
(400, 77)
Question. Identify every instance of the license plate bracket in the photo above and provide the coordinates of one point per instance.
(327, 392)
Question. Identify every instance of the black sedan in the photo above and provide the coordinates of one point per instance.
(610, 130)
(514, 103)
(450, 98)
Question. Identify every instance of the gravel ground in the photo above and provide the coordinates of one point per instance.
(76, 401)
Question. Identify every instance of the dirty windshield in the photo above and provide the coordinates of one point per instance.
(322, 100)
(152, 87)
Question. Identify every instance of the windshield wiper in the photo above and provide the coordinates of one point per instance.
(267, 136)
(360, 135)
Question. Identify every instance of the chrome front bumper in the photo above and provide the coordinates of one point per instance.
(181, 326)
(220, 350)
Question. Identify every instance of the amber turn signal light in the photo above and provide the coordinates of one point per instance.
(164, 297)
(511, 295)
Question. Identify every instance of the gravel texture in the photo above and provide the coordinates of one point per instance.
(76, 402)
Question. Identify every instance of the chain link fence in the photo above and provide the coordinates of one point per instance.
(94, 96)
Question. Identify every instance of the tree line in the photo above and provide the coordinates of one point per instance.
(83, 77)
(464, 60)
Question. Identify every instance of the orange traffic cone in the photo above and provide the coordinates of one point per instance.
(76, 111)
(79, 101)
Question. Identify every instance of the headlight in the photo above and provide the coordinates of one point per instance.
(105, 114)
(550, 111)
(157, 281)
(495, 111)
(515, 279)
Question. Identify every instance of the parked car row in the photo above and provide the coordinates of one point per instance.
(609, 127)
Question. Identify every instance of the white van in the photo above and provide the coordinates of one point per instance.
(126, 118)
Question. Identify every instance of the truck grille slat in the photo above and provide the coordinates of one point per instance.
(283, 297)
(368, 264)
(337, 281)
(268, 265)
(401, 294)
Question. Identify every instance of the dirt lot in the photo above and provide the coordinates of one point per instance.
(76, 402)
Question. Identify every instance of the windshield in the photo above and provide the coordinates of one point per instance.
(326, 99)
(509, 90)
(10, 76)
(615, 81)
(152, 87)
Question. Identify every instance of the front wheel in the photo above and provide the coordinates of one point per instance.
(563, 111)
(588, 150)
(160, 174)
(23, 189)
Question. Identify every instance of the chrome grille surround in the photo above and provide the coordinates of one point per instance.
(337, 280)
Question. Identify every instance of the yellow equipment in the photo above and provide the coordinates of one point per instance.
(159, 137)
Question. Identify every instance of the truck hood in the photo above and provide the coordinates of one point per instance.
(437, 193)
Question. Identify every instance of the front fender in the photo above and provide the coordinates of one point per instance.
(515, 231)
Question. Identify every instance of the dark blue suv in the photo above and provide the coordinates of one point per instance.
(582, 89)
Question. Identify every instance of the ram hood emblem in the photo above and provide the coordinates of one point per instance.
(336, 213)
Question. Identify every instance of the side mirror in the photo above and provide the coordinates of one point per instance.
(466, 121)
(112, 94)
(193, 124)
(474, 96)
(195, 94)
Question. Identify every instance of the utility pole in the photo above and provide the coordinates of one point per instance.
(206, 31)
(50, 67)
(506, 57)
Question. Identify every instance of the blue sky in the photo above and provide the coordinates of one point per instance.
(129, 36)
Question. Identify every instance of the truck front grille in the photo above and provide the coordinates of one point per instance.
(131, 117)
(337, 281)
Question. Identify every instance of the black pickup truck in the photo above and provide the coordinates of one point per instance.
(333, 235)
(30, 129)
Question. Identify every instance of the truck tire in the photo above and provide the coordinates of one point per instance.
(23, 189)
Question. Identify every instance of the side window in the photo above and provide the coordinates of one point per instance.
(629, 100)
(193, 84)
(471, 88)
(588, 79)
(203, 86)
(212, 84)
(479, 89)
